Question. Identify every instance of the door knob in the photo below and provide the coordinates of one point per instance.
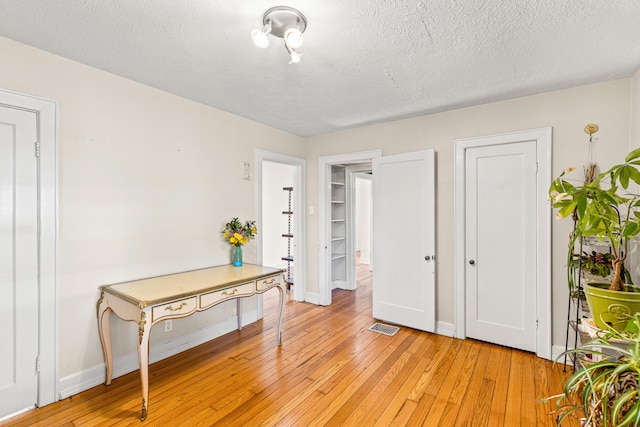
(427, 258)
(472, 262)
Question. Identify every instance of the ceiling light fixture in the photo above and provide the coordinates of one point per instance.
(284, 22)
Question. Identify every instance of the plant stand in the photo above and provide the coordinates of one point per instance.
(578, 310)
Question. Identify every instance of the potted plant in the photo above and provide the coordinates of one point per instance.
(606, 393)
(605, 209)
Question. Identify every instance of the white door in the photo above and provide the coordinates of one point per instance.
(501, 248)
(404, 239)
(18, 261)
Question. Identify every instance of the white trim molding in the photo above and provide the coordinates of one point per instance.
(47, 123)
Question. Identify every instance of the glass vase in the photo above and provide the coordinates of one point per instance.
(237, 256)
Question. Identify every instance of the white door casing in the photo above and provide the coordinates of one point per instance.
(500, 234)
(43, 308)
(404, 239)
(18, 260)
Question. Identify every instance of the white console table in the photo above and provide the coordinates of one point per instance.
(152, 300)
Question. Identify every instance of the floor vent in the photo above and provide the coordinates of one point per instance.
(384, 329)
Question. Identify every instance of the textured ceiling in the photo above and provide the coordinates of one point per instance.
(364, 61)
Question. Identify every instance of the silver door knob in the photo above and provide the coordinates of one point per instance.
(427, 258)
(472, 262)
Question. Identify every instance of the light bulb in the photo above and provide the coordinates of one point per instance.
(261, 37)
(295, 57)
(293, 37)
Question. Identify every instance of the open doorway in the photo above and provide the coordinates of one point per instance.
(338, 218)
(281, 224)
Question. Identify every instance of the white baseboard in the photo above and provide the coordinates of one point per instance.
(312, 298)
(84, 380)
(338, 284)
(446, 329)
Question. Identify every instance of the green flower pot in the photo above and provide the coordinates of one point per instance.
(612, 308)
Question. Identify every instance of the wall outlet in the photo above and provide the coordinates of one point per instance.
(168, 325)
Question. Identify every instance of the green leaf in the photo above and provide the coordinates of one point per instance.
(634, 154)
(634, 174)
(624, 176)
(567, 209)
(630, 230)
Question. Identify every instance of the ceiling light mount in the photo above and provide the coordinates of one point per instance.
(286, 23)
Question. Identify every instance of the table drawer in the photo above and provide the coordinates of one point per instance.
(211, 298)
(269, 282)
(174, 308)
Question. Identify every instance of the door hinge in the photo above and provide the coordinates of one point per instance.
(536, 167)
(37, 149)
(537, 323)
(38, 364)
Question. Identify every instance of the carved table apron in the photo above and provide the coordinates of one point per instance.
(152, 300)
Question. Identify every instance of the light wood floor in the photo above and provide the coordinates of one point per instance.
(329, 371)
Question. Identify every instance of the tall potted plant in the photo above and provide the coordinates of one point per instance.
(607, 210)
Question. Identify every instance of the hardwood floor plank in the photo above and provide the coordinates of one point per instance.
(514, 410)
(330, 371)
(469, 397)
(343, 385)
(399, 401)
(449, 381)
(501, 378)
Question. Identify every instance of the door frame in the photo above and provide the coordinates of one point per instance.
(324, 215)
(299, 231)
(543, 138)
(47, 128)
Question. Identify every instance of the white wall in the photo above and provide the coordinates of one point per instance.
(146, 182)
(275, 201)
(634, 125)
(567, 111)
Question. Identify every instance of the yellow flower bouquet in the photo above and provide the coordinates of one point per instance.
(238, 234)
